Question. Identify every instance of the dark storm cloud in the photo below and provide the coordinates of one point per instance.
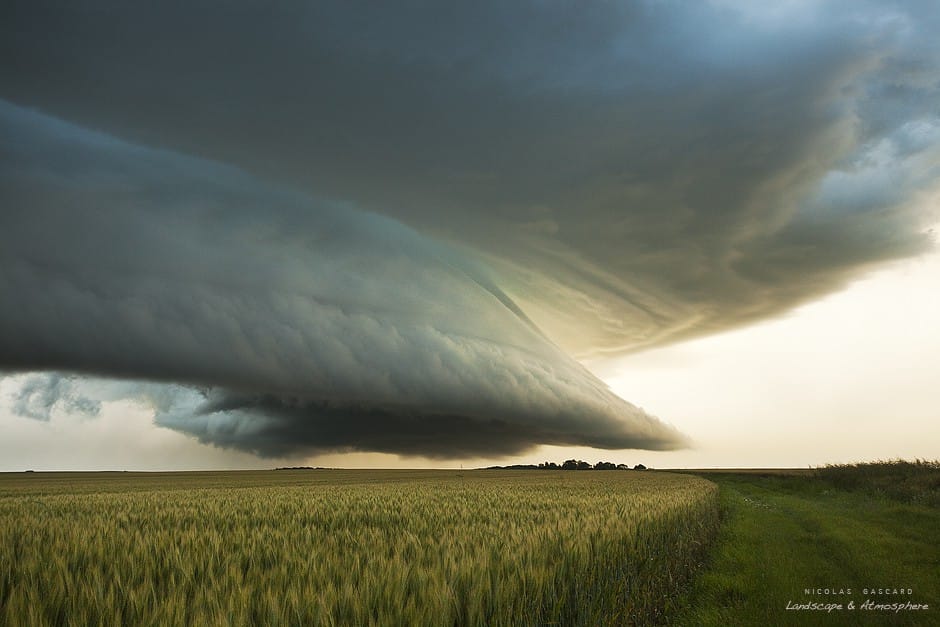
(638, 172)
(630, 173)
(305, 324)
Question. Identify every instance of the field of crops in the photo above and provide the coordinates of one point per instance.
(322, 547)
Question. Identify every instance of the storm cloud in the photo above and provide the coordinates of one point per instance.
(40, 394)
(305, 324)
(398, 226)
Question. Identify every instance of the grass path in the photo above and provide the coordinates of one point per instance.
(783, 534)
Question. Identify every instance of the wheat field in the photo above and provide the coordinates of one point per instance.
(327, 547)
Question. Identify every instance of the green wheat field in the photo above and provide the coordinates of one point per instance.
(474, 548)
(331, 547)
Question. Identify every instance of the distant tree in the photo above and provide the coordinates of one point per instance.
(605, 466)
(548, 466)
(623, 467)
(575, 464)
(639, 467)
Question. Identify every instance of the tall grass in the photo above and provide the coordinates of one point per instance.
(916, 482)
(349, 548)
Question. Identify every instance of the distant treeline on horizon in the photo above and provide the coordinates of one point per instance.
(571, 464)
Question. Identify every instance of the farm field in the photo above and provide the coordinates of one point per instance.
(369, 547)
(847, 529)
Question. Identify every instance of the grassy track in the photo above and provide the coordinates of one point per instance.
(783, 534)
(349, 548)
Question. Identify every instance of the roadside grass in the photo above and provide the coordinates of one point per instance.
(910, 482)
(783, 534)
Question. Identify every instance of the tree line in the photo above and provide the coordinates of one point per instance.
(571, 464)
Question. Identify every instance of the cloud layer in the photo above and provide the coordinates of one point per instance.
(638, 172)
(304, 324)
(40, 394)
(512, 184)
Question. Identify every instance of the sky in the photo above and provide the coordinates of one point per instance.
(408, 236)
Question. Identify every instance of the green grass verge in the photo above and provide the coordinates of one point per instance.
(784, 534)
(915, 482)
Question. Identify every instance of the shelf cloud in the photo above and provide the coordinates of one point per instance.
(398, 228)
(303, 324)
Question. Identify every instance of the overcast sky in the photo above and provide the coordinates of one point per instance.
(404, 235)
